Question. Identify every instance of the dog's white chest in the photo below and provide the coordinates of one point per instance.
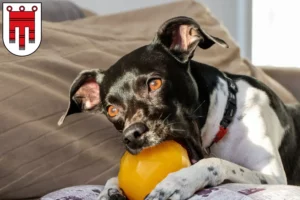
(255, 133)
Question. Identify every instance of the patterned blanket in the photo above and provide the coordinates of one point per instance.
(224, 192)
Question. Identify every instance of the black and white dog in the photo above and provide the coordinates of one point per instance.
(234, 127)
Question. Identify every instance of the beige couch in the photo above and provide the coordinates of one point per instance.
(36, 156)
(289, 77)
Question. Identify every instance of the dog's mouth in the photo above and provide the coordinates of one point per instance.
(147, 140)
(194, 154)
(134, 151)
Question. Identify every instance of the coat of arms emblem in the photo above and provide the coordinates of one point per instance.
(22, 27)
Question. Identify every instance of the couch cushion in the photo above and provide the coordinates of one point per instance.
(285, 95)
(287, 76)
(56, 11)
(36, 156)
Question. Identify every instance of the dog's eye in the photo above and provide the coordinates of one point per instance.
(112, 111)
(154, 84)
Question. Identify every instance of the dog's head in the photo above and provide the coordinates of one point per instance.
(149, 94)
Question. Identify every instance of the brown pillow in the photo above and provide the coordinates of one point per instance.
(37, 156)
(56, 11)
(285, 95)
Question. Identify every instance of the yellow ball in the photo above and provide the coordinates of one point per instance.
(139, 174)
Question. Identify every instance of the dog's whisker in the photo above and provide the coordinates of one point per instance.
(159, 116)
(198, 107)
(166, 118)
(148, 115)
(173, 123)
(195, 117)
(178, 130)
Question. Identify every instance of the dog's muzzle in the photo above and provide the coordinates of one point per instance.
(133, 137)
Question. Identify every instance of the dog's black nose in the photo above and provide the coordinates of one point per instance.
(134, 132)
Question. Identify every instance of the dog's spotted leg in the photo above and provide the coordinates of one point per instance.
(207, 172)
(112, 191)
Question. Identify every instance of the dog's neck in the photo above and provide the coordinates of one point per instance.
(213, 95)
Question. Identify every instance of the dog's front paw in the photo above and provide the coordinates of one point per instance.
(111, 194)
(112, 191)
(176, 186)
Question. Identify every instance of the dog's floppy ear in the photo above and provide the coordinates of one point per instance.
(84, 93)
(181, 36)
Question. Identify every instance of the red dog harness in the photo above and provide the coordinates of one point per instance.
(229, 113)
